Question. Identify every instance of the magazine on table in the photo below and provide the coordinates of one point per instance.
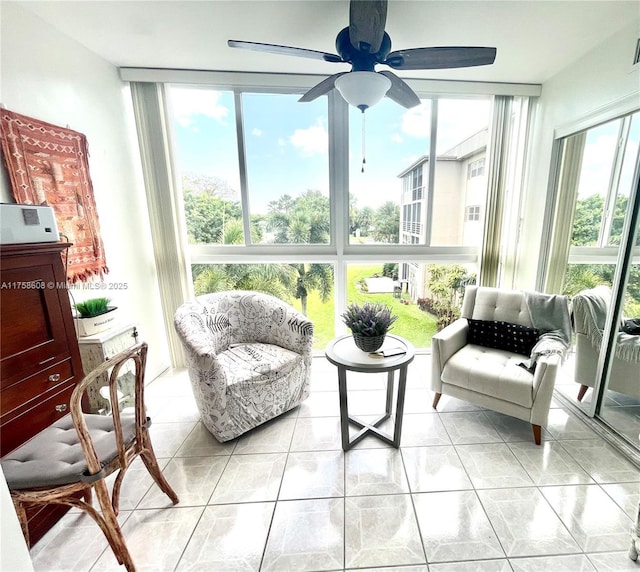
(389, 352)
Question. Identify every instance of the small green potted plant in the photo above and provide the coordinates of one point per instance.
(369, 324)
(94, 316)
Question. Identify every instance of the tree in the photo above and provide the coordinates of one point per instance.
(617, 223)
(580, 277)
(275, 279)
(360, 220)
(586, 221)
(207, 216)
(318, 277)
(586, 228)
(446, 284)
(304, 220)
(386, 223)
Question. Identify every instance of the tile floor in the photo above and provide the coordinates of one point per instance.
(621, 411)
(467, 490)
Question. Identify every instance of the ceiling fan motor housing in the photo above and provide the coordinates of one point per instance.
(361, 59)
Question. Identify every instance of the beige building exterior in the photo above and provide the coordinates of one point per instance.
(458, 203)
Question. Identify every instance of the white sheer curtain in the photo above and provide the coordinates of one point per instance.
(164, 210)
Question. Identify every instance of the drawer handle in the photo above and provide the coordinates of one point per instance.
(61, 408)
(54, 377)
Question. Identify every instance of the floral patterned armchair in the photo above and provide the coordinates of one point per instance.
(248, 356)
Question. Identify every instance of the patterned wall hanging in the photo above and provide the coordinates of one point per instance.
(48, 165)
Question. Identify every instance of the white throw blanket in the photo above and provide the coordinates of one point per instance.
(550, 316)
(594, 305)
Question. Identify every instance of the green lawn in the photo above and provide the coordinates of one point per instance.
(413, 324)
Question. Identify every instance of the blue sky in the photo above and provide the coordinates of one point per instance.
(286, 142)
(599, 151)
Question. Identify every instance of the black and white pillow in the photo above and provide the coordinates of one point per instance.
(502, 336)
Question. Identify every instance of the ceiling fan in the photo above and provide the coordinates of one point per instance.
(364, 44)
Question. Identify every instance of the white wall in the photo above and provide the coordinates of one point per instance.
(46, 75)
(14, 554)
(603, 82)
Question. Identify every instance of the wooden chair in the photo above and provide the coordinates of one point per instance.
(66, 462)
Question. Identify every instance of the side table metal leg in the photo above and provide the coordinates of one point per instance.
(344, 410)
(389, 392)
(402, 384)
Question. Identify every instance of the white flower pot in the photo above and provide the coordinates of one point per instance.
(91, 326)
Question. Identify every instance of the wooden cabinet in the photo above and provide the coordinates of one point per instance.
(39, 356)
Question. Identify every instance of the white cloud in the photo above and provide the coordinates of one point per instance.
(281, 142)
(374, 190)
(416, 122)
(256, 132)
(409, 160)
(459, 119)
(187, 103)
(596, 165)
(396, 138)
(312, 140)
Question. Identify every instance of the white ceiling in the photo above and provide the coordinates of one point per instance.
(535, 39)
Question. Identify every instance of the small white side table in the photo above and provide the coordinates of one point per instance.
(343, 353)
(103, 346)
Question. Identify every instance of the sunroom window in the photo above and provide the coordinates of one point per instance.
(270, 194)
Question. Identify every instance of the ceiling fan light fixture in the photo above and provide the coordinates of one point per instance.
(362, 89)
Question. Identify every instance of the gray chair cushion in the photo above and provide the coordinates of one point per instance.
(54, 456)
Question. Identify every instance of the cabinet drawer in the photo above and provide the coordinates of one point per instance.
(34, 387)
(29, 422)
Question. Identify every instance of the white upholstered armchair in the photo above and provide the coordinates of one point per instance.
(590, 309)
(503, 353)
(248, 356)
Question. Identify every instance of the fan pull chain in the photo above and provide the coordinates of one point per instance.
(363, 140)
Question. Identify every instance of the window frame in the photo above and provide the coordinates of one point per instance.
(561, 253)
(476, 168)
(338, 252)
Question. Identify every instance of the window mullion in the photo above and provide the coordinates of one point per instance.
(612, 192)
(242, 166)
(428, 220)
(338, 114)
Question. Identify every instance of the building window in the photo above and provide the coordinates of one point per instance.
(476, 168)
(473, 213)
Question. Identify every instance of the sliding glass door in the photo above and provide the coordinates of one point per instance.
(596, 235)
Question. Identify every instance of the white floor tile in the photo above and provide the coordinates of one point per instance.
(382, 531)
(431, 469)
(313, 474)
(229, 537)
(594, 520)
(454, 526)
(306, 535)
(374, 472)
(525, 523)
(493, 465)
